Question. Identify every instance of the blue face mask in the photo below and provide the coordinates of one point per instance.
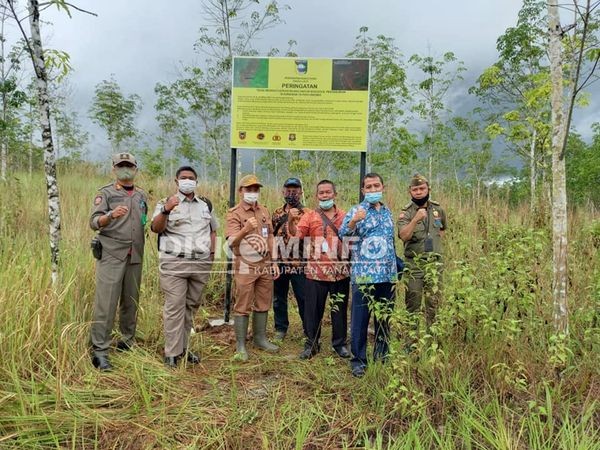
(373, 197)
(326, 204)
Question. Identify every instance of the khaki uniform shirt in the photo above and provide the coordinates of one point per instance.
(431, 226)
(188, 228)
(125, 235)
(257, 246)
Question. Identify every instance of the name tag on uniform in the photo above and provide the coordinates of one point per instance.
(265, 231)
(325, 247)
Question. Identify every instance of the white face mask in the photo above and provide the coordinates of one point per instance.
(251, 197)
(187, 186)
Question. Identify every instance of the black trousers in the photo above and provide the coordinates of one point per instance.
(281, 289)
(314, 308)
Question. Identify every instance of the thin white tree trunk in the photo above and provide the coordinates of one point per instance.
(559, 191)
(49, 155)
(4, 157)
(532, 173)
(3, 143)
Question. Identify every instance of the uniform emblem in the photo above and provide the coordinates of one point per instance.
(97, 200)
(435, 213)
(401, 216)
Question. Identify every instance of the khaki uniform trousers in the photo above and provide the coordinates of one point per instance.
(117, 283)
(182, 282)
(424, 281)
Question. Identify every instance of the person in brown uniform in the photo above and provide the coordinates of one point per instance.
(421, 226)
(186, 226)
(119, 215)
(249, 233)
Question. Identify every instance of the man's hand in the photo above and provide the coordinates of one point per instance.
(251, 225)
(420, 215)
(294, 214)
(359, 215)
(172, 202)
(275, 271)
(119, 211)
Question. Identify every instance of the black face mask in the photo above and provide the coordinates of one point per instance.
(292, 200)
(420, 201)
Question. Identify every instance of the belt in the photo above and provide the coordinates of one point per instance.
(192, 256)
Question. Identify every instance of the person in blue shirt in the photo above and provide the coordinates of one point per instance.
(369, 226)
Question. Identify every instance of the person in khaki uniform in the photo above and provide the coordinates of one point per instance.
(119, 215)
(187, 228)
(421, 226)
(249, 233)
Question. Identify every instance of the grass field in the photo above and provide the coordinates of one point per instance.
(492, 375)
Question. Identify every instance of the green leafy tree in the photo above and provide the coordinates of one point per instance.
(516, 91)
(391, 145)
(583, 168)
(115, 113)
(12, 94)
(430, 94)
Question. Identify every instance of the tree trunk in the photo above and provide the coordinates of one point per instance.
(37, 57)
(532, 174)
(559, 191)
(4, 157)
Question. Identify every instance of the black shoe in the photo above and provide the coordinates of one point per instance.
(192, 358)
(309, 351)
(101, 363)
(123, 346)
(342, 352)
(171, 361)
(358, 372)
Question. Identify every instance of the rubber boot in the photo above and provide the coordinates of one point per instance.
(259, 332)
(240, 325)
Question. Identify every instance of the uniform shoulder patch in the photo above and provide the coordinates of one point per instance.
(97, 199)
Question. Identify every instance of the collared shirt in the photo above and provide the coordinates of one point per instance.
(434, 223)
(124, 235)
(373, 252)
(289, 249)
(323, 249)
(255, 247)
(188, 228)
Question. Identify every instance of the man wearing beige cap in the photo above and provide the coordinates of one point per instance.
(421, 226)
(119, 215)
(249, 233)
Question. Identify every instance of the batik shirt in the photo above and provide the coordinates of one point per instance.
(372, 242)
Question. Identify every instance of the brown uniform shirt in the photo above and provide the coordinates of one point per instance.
(256, 247)
(124, 235)
(432, 226)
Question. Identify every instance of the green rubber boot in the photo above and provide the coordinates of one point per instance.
(240, 325)
(259, 332)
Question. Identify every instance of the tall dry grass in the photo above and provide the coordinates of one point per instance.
(491, 374)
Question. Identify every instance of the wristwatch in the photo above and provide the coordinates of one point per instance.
(164, 211)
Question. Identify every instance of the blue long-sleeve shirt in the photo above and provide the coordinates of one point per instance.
(372, 242)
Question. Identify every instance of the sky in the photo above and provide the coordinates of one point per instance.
(143, 42)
